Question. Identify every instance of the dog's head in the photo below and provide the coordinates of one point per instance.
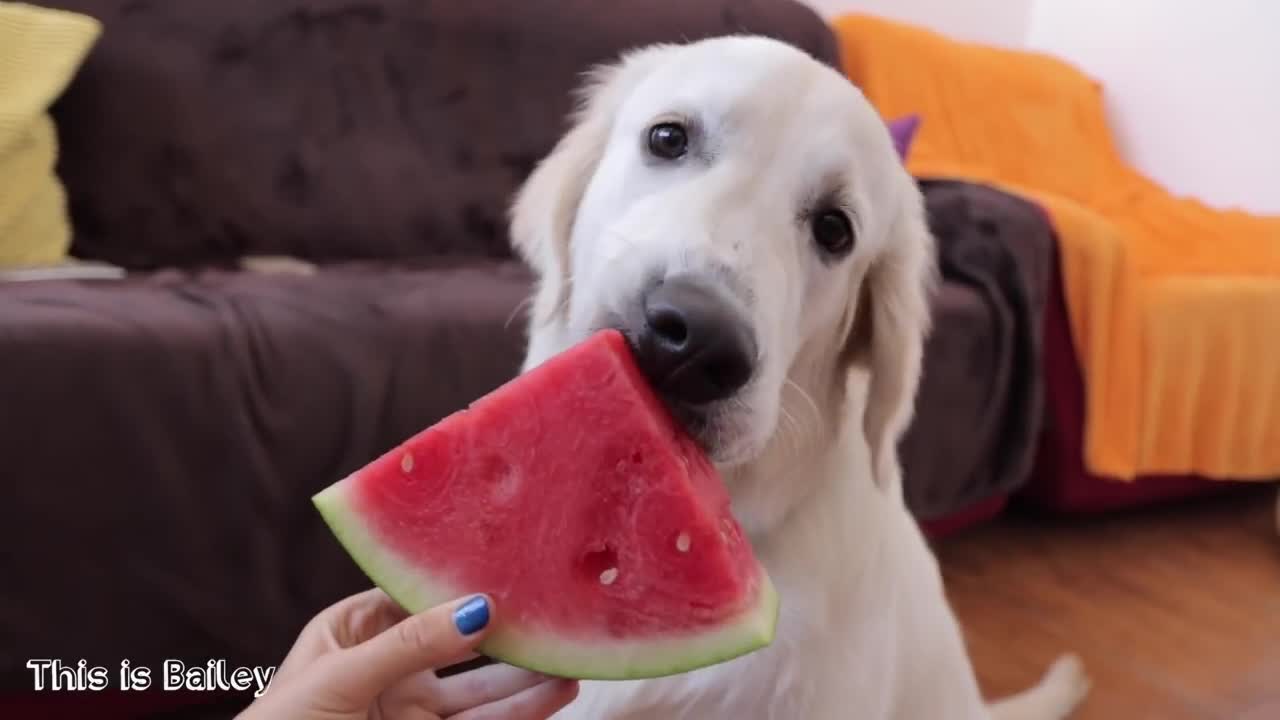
(739, 211)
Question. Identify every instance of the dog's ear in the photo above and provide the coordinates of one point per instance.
(545, 207)
(892, 321)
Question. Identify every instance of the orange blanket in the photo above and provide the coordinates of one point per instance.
(1174, 306)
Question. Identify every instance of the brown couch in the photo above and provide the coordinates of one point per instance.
(161, 435)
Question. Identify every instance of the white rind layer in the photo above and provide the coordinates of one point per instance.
(544, 652)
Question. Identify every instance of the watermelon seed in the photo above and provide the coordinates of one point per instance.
(608, 576)
(599, 560)
(506, 485)
(406, 463)
(683, 542)
(725, 529)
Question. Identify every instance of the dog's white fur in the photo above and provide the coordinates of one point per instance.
(808, 448)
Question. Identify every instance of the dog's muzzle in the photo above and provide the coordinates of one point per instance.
(694, 343)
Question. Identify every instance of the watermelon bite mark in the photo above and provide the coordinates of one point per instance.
(573, 498)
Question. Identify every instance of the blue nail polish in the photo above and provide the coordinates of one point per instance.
(472, 616)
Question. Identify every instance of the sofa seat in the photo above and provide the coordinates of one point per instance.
(163, 435)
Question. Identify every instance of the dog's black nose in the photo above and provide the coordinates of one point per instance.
(695, 345)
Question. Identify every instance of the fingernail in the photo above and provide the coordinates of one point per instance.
(472, 616)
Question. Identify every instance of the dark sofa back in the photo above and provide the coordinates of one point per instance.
(201, 131)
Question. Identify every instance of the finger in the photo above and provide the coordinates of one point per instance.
(362, 616)
(537, 703)
(435, 638)
(486, 685)
(349, 621)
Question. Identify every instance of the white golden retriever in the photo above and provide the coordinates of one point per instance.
(739, 211)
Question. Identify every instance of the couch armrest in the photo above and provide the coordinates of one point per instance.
(981, 226)
(980, 406)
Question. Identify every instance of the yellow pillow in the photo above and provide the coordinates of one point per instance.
(40, 51)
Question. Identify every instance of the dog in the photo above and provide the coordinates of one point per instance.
(738, 210)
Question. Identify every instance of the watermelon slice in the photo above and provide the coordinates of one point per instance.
(573, 498)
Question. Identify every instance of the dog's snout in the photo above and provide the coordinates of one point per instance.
(695, 345)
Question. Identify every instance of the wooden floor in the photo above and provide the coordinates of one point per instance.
(1175, 611)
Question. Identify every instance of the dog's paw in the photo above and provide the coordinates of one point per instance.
(1060, 691)
(1068, 683)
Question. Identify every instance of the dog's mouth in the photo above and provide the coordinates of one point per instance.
(694, 342)
(713, 426)
(700, 422)
(710, 426)
(696, 421)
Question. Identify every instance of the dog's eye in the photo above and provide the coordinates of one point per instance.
(669, 141)
(832, 232)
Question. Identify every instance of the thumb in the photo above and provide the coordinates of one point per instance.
(436, 638)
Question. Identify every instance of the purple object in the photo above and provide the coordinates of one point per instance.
(903, 131)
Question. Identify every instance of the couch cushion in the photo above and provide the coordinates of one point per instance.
(163, 436)
(387, 128)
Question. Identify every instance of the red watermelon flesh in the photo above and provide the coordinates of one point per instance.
(572, 497)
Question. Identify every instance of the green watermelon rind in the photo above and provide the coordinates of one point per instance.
(609, 659)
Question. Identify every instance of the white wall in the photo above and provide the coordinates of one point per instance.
(1193, 86)
(996, 22)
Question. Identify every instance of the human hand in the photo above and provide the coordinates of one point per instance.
(364, 658)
